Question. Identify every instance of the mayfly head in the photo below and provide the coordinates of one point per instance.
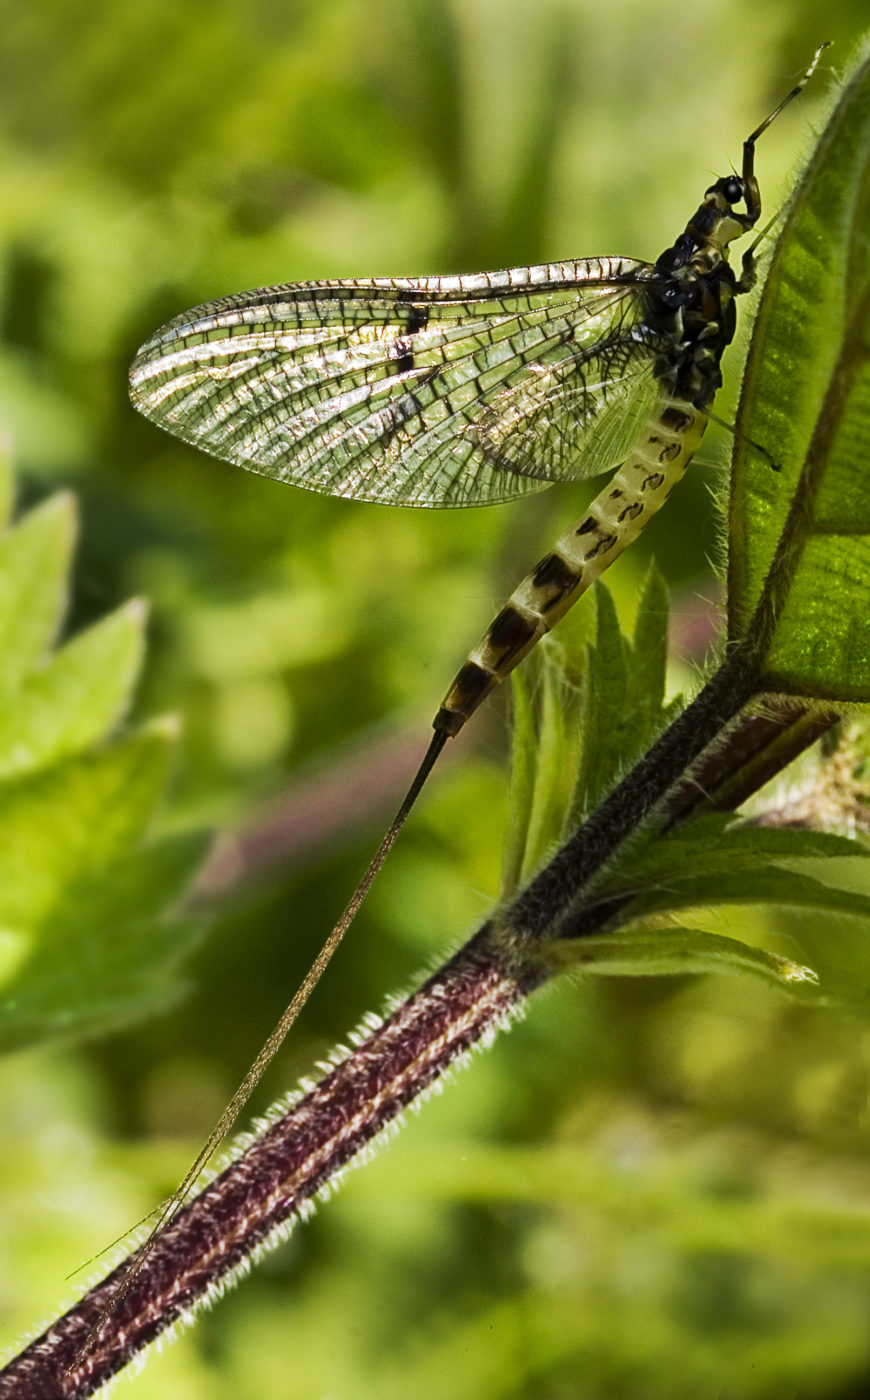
(719, 220)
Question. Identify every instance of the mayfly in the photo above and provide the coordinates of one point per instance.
(463, 391)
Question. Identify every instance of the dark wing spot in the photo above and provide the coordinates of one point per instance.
(418, 320)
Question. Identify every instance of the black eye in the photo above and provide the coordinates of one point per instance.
(732, 190)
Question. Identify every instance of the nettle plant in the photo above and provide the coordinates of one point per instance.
(638, 797)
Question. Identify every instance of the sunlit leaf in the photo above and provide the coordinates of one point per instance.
(87, 932)
(107, 949)
(34, 564)
(75, 698)
(799, 569)
(582, 714)
(716, 843)
(768, 884)
(673, 952)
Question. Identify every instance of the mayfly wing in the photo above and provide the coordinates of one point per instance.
(437, 391)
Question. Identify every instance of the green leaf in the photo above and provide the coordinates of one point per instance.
(767, 885)
(76, 698)
(714, 843)
(604, 685)
(649, 669)
(556, 765)
(106, 950)
(34, 563)
(521, 791)
(544, 767)
(77, 818)
(623, 697)
(799, 568)
(673, 952)
(87, 932)
(574, 740)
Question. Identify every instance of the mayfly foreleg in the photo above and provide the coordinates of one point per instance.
(747, 277)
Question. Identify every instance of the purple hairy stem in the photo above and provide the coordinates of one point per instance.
(252, 1203)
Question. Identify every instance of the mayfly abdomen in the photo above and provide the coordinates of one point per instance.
(612, 522)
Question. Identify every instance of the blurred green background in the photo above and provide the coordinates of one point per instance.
(650, 1188)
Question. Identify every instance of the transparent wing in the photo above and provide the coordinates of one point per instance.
(438, 391)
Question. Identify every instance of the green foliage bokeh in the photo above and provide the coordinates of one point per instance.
(652, 1188)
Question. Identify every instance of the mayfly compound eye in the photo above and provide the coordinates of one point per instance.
(733, 191)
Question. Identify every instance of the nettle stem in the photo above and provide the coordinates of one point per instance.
(254, 1201)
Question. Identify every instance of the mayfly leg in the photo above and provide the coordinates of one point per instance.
(748, 275)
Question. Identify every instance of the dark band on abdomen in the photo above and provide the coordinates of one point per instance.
(639, 488)
(471, 686)
(507, 636)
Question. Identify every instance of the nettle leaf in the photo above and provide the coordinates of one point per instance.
(87, 933)
(622, 693)
(657, 951)
(709, 864)
(714, 843)
(75, 697)
(77, 818)
(106, 950)
(34, 564)
(582, 715)
(799, 567)
(521, 792)
(767, 884)
(658, 877)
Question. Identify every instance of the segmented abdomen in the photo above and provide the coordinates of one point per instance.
(614, 519)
